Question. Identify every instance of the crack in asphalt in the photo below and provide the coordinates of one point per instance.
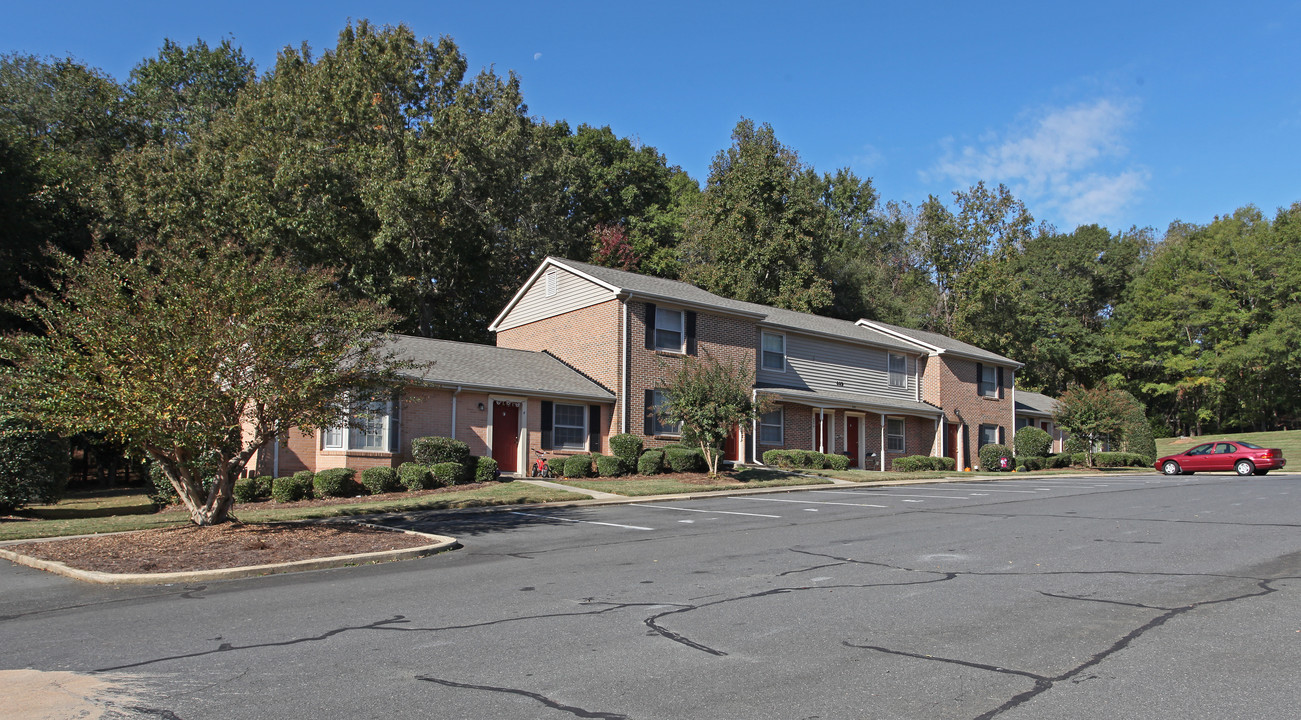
(1100, 600)
(576, 712)
(1043, 683)
(187, 594)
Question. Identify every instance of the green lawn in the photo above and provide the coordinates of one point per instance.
(1289, 441)
(87, 513)
(651, 485)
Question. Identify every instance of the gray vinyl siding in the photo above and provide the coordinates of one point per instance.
(817, 364)
(572, 293)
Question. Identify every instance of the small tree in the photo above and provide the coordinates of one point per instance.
(1093, 415)
(193, 353)
(710, 398)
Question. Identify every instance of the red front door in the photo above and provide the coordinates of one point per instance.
(505, 436)
(951, 441)
(732, 446)
(851, 440)
(825, 419)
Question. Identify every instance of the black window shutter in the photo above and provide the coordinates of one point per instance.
(594, 428)
(691, 331)
(546, 424)
(1002, 440)
(980, 379)
(1000, 382)
(650, 326)
(649, 428)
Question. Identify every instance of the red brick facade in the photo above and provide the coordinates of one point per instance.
(952, 384)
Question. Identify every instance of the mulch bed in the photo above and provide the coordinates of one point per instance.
(221, 546)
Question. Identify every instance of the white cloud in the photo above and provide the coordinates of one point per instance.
(1069, 162)
(537, 56)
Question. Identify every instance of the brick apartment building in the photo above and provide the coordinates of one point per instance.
(582, 350)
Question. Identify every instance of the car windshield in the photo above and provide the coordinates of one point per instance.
(1252, 446)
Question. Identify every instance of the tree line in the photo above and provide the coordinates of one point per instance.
(432, 192)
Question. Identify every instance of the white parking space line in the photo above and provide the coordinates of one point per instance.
(585, 522)
(891, 494)
(711, 512)
(804, 502)
(985, 489)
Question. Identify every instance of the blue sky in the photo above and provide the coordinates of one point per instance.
(1121, 113)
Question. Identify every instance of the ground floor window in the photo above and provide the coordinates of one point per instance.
(894, 439)
(658, 426)
(569, 427)
(771, 427)
(372, 427)
(988, 435)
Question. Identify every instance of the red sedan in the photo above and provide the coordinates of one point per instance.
(1241, 457)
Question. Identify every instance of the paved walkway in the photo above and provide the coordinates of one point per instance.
(595, 494)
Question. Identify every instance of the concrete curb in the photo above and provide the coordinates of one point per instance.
(438, 543)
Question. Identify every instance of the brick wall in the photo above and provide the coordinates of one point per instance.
(959, 397)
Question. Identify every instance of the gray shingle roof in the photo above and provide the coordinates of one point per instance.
(687, 294)
(944, 342)
(853, 400)
(446, 362)
(1033, 402)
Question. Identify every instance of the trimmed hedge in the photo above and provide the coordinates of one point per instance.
(795, 459)
(1119, 459)
(923, 463)
(651, 462)
(380, 480)
(607, 466)
(1030, 441)
(990, 454)
(415, 476)
(485, 470)
(557, 466)
(579, 466)
(293, 488)
(684, 460)
(446, 473)
(1030, 463)
(252, 489)
(838, 462)
(626, 446)
(1056, 462)
(335, 482)
(433, 450)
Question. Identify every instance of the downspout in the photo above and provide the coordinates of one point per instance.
(455, 392)
(883, 450)
(754, 429)
(623, 368)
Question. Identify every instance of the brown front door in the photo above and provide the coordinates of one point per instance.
(732, 446)
(951, 441)
(505, 436)
(851, 440)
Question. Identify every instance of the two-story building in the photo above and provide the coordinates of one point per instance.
(582, 353)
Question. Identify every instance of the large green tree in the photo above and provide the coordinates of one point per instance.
(195, 354)
(710, 397)
(761, 232)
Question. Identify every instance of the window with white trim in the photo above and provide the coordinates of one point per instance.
(771, 427)
(332, 438)
(569, 427)
(658, 425)
(898, 370)
(669, 333)
(988, 435)
(774, 352)
(372, 426)
(988, 381)
(894, 439)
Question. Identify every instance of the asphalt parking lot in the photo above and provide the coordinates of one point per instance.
(1116, 596)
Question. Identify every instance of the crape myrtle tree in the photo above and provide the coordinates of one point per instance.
(1094, 414)
(710, 397)
(195, 354)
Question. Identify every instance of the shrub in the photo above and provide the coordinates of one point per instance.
(946, 464)
(1031, 463)
(838, 462)
(1079, 458)
(293, 488)
(916, 463)
(651, 462)
(1076, 444)
(611, 466)
(415, 476)
(485, 470)
(684, 460)
(1119, 459)
(1056, 462)
(446, 473)
(379, 480)
(990, 454)
(252, 489)
(335, 482)
(1030, 441)
(579, 466)
(796, 459)
(557, 466)
(433, 450)
(33, 466)
(626, 446)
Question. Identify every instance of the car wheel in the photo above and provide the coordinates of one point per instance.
(1244, 467)
(1170, 467)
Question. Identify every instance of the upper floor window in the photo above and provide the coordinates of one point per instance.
(898, 370)
(987, 380)
(770, 427)
(569, 427)
(774, 352)
(894, 439)
(668, 330)
(657, 424)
